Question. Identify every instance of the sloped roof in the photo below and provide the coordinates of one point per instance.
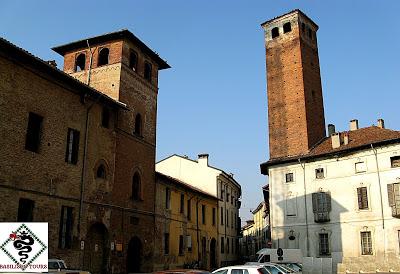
(185, 185)
(25, 57)
(359, 139)
(120, 34)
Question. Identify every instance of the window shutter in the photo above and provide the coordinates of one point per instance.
(328, 201)
(390, 190)
(315, 202)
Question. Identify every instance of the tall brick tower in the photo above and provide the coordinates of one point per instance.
(122, 67)
(295, 105)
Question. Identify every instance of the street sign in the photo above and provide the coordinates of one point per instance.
(280, 258)
(279, 252)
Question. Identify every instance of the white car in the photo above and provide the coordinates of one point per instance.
(242, 269)
(273, 268)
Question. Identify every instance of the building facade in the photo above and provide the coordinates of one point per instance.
(83, 150)
(255, 234)
(217, 183)
(186, 226)
(336, 198)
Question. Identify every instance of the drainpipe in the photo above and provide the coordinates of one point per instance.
(197, 232)
(83, 172)
(381, 200)
(303, 165)
(90, 63)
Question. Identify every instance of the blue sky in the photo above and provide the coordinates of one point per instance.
(213, 100)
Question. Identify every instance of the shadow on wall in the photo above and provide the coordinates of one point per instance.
(321, 235)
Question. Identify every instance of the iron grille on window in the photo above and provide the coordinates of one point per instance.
(366, 243)
(394, 198)
(323, 244)
(321, 206)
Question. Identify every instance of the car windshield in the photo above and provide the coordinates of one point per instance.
(273, 269)
(263, 270)
(53, 265)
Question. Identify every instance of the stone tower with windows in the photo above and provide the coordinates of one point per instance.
(122, 67)
(295, 104)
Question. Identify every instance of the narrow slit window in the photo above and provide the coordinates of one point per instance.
(147, 71)
(101, 172)
(136, 187)
(71, 155)
(138, 124)
(105, 117)
(133, 59)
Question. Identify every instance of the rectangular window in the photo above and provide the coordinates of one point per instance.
(105, 117)
(167, 198)
(231, 219)
(213, 215)
(394, 198)
(166, 243)
(321, 206)
(222, 245)
(232, 198)
(360, 167)
(189, 242)
(71, 155)
(291, 205)
(189, 210)
(323, 244)
(227, 197)
(203, 214)
(319, 173)
(32, 141)
(221, 186)
(362, 198)
(65, 232)
(182, 208)
(366, 243)
(25, 210)
(181, 245)
(289, 177)
(395, 161)
(227, 218)
(222, 215)
(227, 245)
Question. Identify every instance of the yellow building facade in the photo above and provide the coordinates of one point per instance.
(186, 226)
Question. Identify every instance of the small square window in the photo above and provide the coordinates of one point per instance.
(360, 167)
(395, 161)
(289, 177)
(319, 173)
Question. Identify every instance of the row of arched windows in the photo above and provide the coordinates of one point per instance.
(101, 173)
(103, 59)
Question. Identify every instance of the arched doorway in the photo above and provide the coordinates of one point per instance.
(133, 259)
(213, 254)
(96, 252)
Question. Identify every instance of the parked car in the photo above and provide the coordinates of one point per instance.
(58, 266)
(295, 266)
(242, 269)
(273, 268)
(182, 271)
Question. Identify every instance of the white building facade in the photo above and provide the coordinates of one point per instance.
(342, 204)
(219, 184)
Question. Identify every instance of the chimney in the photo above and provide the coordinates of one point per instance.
(335, 140)
(381, 123)
(353, 124)
(52, 63)
(346, 138)
(331, 129)
(203, 159)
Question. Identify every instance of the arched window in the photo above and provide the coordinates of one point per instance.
(103, 57)
(133, 60)
(287, 27)
(147, 71)
(101, 172)
(275, 32)
(136, 187)
(80, 62)
(138, 124)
